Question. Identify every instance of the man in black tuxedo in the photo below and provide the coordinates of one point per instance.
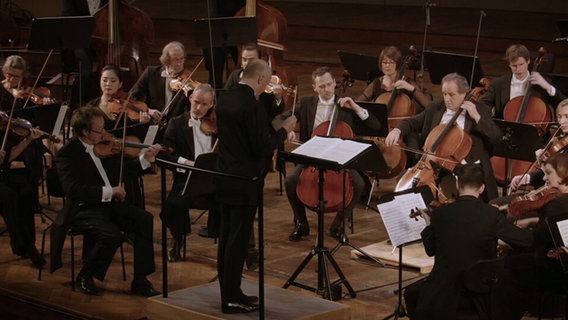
(95, 205)
(458, 235)
(313, 111)
(185, 136)
(153, 86)
(245, 139)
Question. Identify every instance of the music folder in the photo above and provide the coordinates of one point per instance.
(443, 63)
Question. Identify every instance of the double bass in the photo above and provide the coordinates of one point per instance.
(527, 108)
(121, 36)
(272, 30)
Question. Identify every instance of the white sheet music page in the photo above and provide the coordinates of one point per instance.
(395, 214)
(59, 121)
(332, 149)
(563, 229)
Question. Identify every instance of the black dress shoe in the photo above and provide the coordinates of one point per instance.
(87, 284)
(144, 288)
(301, 230)
(249, 299)
(238, 307)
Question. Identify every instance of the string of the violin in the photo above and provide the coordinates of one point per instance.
(10, 117)
(38, 77)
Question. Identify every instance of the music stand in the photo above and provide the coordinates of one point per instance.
(559, 81)
(356, 161)
(379, 110)
(138, 130)
(360, 66)
(442, 63)
(225, 32)
(562, 25)
(44, 116)
(408, 232)
(518, 142)
(61, 33)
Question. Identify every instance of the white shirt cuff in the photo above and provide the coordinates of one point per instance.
(363, 114)
(181, 160)
(143, 162)
(552, 91)
(107, 194)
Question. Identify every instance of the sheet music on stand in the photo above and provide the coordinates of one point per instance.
(331, 149)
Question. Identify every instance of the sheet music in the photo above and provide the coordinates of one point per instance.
(332, 149)
(563, 230)
(60, 118)
(395, 214)
(151, 134)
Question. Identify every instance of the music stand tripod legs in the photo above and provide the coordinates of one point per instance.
(324, 256)
(399, 311)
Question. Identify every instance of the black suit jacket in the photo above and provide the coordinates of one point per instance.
(82, 184)
(245, 139)
(483, 135)
(499, 94)
(460, 234)
(306, 115)
(151, 87)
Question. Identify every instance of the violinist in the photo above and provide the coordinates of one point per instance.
(15, 73)
(457, 235)
(507, 87)
(535, 271)
(390, 63)
(185, 134)
(95, 206)
(153, 86)
(110, 101)
(475, 119)
(19, 197)
(313, 111)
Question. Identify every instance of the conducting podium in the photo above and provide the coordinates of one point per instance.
(330, 154)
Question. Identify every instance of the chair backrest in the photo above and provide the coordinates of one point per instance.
(481, 276)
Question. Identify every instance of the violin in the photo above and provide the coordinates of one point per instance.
(532, 201)
(416, 212)
(276, 81)
(21, 127)
(209, 123)
(133, 109)
(183, 81)
(110, 146)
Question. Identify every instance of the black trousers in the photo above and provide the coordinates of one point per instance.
(104, 224)
(234, 236)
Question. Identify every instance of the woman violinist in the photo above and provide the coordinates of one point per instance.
(535, 271)
(112, 103)
(476, 121)
(15, 73)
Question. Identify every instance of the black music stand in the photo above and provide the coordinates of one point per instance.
(442, 63)
(519, 141)
(138, 130)
(559, 81)
(225, 32)
(360, 66)
(44, 116)
(379, 110)
(427, 196)
(361, 160)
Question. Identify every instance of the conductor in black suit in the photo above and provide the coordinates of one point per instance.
(189, 139)
(245, 139)
(95, 205)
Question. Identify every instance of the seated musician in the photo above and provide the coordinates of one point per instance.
(153, 87)
(112, 98)
(530, 273)
(511, 86)
(313, 111)
(95, 205)
(19, 196)
(476, 121)
(15, 72)
(440, 295)
(187, 137)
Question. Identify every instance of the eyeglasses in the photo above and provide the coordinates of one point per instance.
(95, 131)
(388, 62)
(13, 76)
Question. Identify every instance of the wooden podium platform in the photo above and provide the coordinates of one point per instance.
(413, 255)
(204, 302)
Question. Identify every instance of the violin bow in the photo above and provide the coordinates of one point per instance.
(481, 15)
(167, 107)
(38, 77)
(122, 146)
(10, 117)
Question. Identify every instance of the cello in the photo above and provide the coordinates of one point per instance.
(527, 108)
(272, 30)
(122, 35)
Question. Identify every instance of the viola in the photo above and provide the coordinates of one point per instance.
(21, 127)
(527, 108)
(111, 146)
(532, 201)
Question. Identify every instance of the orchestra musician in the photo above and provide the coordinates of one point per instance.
(19, 198)
(535, 271)
(511, 86)
(245, 139)
(476, 121)
(95, 206)
(313, 111)
(186, 137)
(153, 86)
(15, 72)
(440, 295)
